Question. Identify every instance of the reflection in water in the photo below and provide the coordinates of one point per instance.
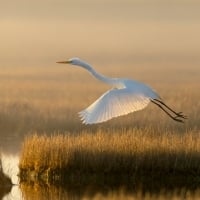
(111, 187)
(32, 191)
(14, 194)
(4, 190)
(5, 182)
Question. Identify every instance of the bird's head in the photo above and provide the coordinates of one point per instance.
(72, 61)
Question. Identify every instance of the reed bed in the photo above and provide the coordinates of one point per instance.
(131, 152)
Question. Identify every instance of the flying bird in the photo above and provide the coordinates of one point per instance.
(126, 96)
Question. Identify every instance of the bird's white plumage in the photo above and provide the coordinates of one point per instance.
(126, 96)
(114, 103)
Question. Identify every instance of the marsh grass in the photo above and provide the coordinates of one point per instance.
(126, 152)
(131, 163)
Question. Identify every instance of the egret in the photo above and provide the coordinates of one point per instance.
(125, 97)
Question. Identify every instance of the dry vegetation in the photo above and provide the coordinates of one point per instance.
(43, 103)
(124, 152)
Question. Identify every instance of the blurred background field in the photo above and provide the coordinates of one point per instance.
(47, 100)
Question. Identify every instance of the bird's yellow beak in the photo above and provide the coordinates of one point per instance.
(64, 62)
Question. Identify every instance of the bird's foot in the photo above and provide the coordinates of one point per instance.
(177, 119)
(180, 115)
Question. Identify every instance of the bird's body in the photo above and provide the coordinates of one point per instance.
(126, 96)
(120, 100)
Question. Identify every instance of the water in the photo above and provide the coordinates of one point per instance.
(41, 191)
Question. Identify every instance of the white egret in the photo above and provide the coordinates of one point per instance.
(125, 97)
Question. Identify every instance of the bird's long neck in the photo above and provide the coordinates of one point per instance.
(110, 81)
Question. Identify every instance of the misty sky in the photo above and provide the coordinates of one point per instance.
(41, 32)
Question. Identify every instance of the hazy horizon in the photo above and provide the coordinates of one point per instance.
(39, 33)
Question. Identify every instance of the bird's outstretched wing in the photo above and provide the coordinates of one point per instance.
(114, 103)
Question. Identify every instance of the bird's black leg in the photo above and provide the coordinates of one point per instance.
(174, 118)
(179, 114)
